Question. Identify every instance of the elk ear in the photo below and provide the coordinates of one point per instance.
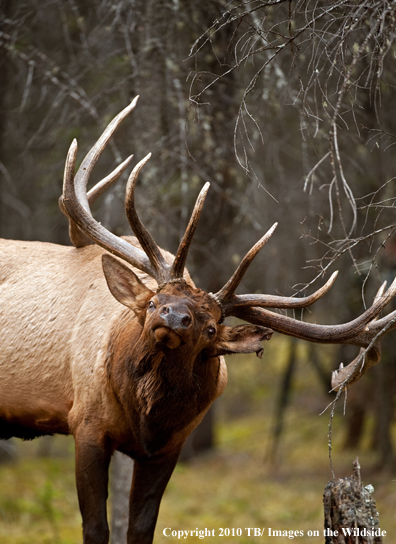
(241, 339)
(124, 285)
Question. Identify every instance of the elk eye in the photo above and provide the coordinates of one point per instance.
(211, 331)
(151, 305)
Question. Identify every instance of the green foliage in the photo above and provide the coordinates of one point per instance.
(38, 502)
(237, 487)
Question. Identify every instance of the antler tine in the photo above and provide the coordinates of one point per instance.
(230, 302)
(229, 288)
(383, 323)
(94, 230)
(80, 180)
(344, 377)
(182, 252)
(106, 182)
(370, 352)
(68, 174)
(77, 237)
(273, 301)
(365, 331)
(347, 333)
(146, 240)
(91, 158)
(380, 292)
(387, 323)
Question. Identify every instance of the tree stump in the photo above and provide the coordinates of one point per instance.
(350, 512)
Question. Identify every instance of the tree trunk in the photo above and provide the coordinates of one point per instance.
(283, 401)
(3, 90)
(201, 440)
(121, 480)
(350, 513)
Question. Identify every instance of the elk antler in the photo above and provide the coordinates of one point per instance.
(77, 236)
(146, 240)
(181, 255)
(230, 302)
(365, 331)
(370, 352)
(75, 203)
(82, 217)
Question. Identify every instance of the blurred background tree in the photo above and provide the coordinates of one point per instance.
(286, 107)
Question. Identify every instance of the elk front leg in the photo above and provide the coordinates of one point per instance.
(150, 477)
(92, 474)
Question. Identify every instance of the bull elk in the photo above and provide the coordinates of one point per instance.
(111, 341)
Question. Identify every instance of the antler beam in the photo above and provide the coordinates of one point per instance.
(370, 352)
(84, 229)
(365, 331)
(82, 217)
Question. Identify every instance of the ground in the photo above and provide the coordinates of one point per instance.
(228, 491)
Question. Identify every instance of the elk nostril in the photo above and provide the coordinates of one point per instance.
(186, 321)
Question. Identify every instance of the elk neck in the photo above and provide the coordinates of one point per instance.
(161, 390)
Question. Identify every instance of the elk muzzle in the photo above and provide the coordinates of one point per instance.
(173, 325)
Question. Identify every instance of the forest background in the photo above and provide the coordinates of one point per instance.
(287, 108)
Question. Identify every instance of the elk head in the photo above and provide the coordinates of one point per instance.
(178, 314)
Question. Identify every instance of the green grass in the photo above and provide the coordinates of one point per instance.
(38, 502)
(237, 488)
(234, 487)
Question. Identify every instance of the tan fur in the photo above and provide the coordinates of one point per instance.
(99, 353)
(56, 316)
(92, 347)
